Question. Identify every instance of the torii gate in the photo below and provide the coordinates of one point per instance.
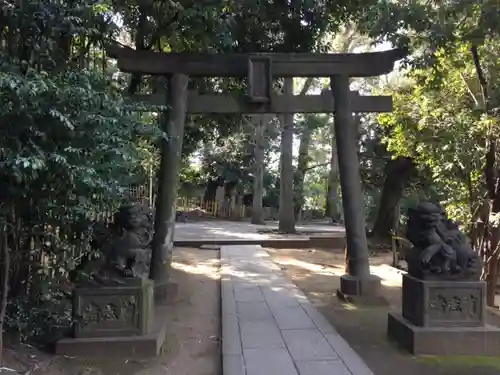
(261, 69)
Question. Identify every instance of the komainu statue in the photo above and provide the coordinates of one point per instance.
(125, 247)
(441, 251)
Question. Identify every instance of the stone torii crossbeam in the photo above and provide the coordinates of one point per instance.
(278, 104)
(260, 70)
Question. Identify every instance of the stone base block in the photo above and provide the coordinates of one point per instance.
(114, 311)
(444, 341)
(124, 346)
(356, 290)
(432, 303)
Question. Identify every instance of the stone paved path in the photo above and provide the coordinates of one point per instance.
(219, 229)
(270, 328)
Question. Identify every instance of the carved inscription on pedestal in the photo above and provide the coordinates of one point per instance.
(114, 311)
(449, 305)
(124, 310)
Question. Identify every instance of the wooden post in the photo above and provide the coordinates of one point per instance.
(358, 280)
(168, 179)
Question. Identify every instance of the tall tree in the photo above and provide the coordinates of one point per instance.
(397, 177)
(260, 124)
(306, 127)
(439, 123)
(333, 206)
(437, 31)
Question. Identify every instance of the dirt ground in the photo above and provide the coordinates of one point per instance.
(318, 272)
(192, 343)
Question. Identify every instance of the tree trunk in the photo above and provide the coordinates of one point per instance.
(258, 179)
(398, 173)
(286, 213)
(492, 176)
(493, 255)
(332, 199)
(491, 280)
(210, 193)
(303, 161)
(302, 168)
(492, 234)
(5, 257)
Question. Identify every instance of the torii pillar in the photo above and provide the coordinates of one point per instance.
(358, 281)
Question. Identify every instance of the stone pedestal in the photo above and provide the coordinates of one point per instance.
(443, 318)
(116, 321)
(429, 303)
(114, 311)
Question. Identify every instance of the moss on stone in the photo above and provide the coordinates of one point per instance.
(468, 361)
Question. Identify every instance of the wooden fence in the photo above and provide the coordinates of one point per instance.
(192, 206)
(198, 207)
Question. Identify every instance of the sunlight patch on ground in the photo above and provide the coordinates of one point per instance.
(390, 277)
(241, 275)
(317, 269)
(205, 269)
(349, 306)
